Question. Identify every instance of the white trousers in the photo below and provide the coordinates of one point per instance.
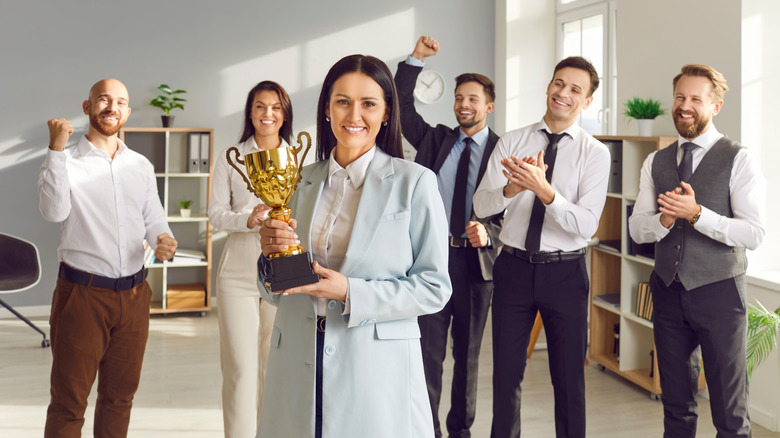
(245, 325)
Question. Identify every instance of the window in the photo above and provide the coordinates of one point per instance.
(586, 31)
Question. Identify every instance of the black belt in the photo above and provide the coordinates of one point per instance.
(545, 257)
(321, 324)
(75, 276)
(457, 242)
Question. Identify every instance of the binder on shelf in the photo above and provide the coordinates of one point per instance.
(616, 166)
(205, 151)
(637, 249)
(193, 152)
(610, 300)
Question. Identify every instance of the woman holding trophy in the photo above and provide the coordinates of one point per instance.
(245, 320)
(345, 355)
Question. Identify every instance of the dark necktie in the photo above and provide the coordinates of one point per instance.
(533, 237)
(685, 169)
(458, 210)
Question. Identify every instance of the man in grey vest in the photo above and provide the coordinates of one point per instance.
(702, 201)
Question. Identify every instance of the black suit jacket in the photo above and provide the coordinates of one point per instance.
(433, 144)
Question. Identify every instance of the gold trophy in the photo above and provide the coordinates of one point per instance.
(273, 176)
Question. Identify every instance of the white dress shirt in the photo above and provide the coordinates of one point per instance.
(579, 178)
(335, 214)
(747, 188)
(231, 202)
(106, 206)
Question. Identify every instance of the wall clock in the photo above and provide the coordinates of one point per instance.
(429, 87)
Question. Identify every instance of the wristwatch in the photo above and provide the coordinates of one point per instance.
(695, 217)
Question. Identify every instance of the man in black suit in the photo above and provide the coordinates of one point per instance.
(458, 157)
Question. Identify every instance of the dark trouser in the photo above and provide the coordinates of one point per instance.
(468, 308)
(714, 317)
(95, 331)
(559, 291)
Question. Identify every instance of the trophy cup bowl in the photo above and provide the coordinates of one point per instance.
(273, 175)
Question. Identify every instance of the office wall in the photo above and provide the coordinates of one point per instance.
(655, 39)
(53, 52)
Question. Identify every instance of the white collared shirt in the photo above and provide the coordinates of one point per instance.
(231, 202)
(747, 191)
(107, 207)
(580, 178)
(335, 213)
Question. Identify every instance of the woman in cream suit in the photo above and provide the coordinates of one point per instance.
(345, 352)
(245, 320)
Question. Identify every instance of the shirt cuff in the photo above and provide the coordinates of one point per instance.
(55, 159)
(657, 228)
(707, 220)
(411, 60)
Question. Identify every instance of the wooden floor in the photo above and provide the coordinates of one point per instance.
(179, 394)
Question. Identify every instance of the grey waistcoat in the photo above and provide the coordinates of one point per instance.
(695, 258)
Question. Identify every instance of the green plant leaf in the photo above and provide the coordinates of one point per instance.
(638, 108)
(763, 326)
(179, 91)
(165, 89)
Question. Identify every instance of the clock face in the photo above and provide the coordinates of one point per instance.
(429, 87)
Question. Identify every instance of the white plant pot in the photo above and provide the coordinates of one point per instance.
(645, 127)
(186, 212)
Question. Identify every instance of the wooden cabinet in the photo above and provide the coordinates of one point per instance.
(620, 340)
(184, 284)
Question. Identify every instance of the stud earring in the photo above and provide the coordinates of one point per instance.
(384, 123)
(327, 119)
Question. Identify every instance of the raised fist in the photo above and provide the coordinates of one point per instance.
(426, 46)
(60, 131)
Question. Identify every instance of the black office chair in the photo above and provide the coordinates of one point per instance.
(20, 269)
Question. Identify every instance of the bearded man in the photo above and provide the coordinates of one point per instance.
(105, 196)
(702, 201)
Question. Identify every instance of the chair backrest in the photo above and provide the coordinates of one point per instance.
(20, 264)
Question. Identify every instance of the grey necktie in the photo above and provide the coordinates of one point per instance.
(685, 169)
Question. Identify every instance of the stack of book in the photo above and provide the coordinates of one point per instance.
(644, 301)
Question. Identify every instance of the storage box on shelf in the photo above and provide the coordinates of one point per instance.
(620, 340)
(182, 160)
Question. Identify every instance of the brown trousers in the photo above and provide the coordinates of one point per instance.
(96, 331)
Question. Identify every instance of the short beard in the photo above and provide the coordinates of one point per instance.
(105, 129)
(692, 130)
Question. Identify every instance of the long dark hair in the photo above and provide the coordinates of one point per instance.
(285, 132)
(389, 137)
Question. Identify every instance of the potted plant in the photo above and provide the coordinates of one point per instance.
(185, 208)
(644, 111)
(168, 101)
(763, 326)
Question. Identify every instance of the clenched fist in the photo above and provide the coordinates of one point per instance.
(426, 46)
(166, 247)
(60, 131)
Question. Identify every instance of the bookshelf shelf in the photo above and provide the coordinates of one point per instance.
(182, 286)
(616, 270)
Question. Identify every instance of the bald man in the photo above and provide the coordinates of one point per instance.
(105, 196)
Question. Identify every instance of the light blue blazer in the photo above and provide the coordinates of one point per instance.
(396, 263)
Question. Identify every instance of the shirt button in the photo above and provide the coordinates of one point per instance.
(332, 304)
(329, 350)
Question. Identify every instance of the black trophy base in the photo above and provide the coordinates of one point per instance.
(292, 271)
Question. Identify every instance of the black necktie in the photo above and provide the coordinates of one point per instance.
(685, 169)
(458, 210)
(534, 235)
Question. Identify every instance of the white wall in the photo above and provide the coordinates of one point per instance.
(760, 127)
(656, 38)
(52, 52)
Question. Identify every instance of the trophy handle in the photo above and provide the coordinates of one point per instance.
(240, 161)
(298, 149)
